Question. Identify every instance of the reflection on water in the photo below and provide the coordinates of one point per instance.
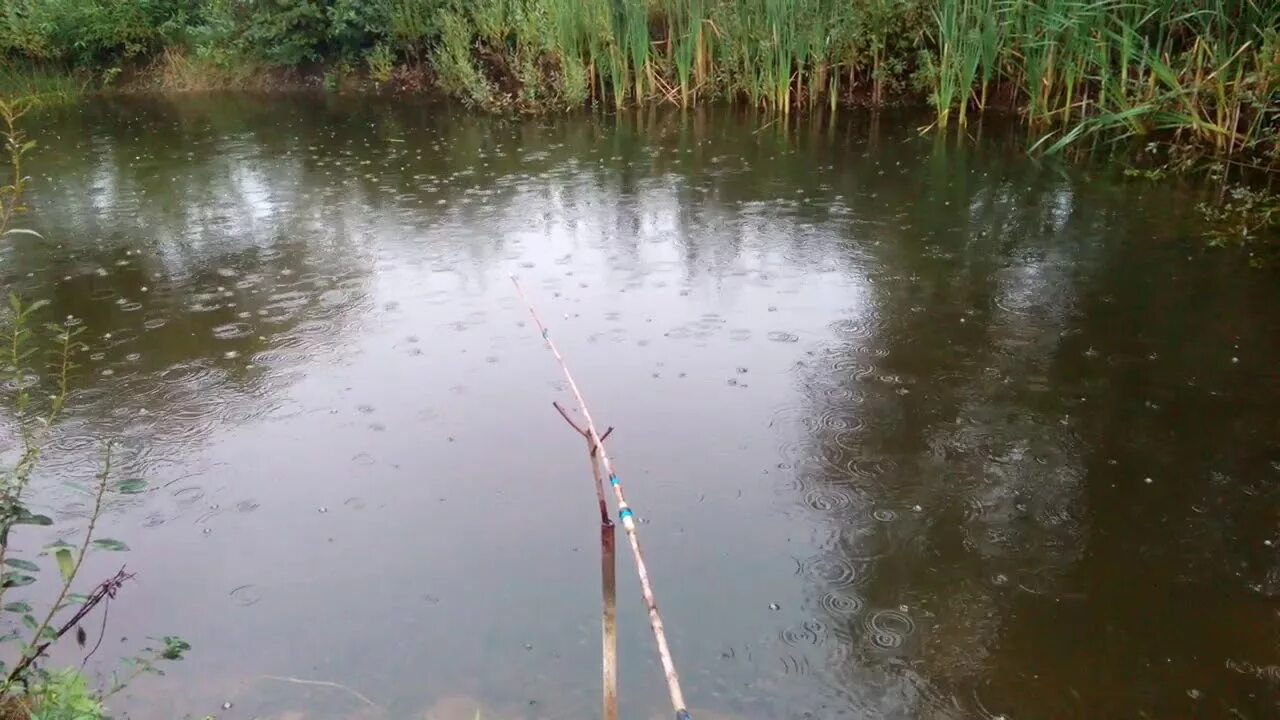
(914, 431)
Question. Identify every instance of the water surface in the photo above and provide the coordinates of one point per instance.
(914, 430)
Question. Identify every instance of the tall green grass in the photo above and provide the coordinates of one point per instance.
(1201, 72)
(37, 84)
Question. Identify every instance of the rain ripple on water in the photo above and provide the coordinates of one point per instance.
(889, 629)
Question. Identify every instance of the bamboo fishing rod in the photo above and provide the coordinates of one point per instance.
(625, 514)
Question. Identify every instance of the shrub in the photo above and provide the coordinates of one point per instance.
(382, 63)
(287, 32)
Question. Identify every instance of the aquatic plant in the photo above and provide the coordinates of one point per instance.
(25, 367)
(1242, 216)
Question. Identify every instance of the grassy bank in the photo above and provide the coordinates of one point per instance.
(1204, 75)
(35, 83)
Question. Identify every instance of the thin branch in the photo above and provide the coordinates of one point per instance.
(102, 633)
(584, 433)
(34, 651)
(605, 436)
(11, 495)
(106, 590)
(324, 683)
(564, 414)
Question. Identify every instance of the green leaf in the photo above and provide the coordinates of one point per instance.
(174, 647)
(131, 487)
(22, 564)
(26, 517)
(15, 579)
(17, 607)
(76, 599)
(30, 621)
(66, 565)
(109, 544)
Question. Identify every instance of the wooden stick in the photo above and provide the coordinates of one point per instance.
(628, 521)
(609, 596)
(105, 591)
(608, 579)
(595, 469)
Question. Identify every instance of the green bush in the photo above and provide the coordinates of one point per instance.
(64, 695)
(356, 25)
(287, 32)
(381, 62)
(84, 32)
(455, 65)
(413, 24)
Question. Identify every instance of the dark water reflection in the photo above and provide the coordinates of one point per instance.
(996, 439)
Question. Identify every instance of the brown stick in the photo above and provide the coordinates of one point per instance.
(609, 595)
(609, 621)
(106, 590)
(595, 464)
(608, 580)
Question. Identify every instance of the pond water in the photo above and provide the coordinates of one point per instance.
(914, 429)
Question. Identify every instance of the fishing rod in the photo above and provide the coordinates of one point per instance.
(625, 514)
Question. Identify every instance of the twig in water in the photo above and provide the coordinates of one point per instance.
(106, 590)
(102, 633)
(608, 577)
(324, 683)
(595, 465)
(564, 414)
(609, 616)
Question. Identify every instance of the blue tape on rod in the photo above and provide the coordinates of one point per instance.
(682, 714)
(625, 513)
(613, 480)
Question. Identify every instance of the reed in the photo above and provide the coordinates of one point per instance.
(686, 22)
(40, 84)
(1204, 73)
(1199, 73)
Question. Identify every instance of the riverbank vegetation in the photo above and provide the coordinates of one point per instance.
(36, 360)
(1180, 85)
(1203, 74)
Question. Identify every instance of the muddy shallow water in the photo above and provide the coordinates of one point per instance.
(914, 430)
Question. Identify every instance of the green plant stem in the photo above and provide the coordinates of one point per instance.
(103, 477)
(11, 194)
(21, 476)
